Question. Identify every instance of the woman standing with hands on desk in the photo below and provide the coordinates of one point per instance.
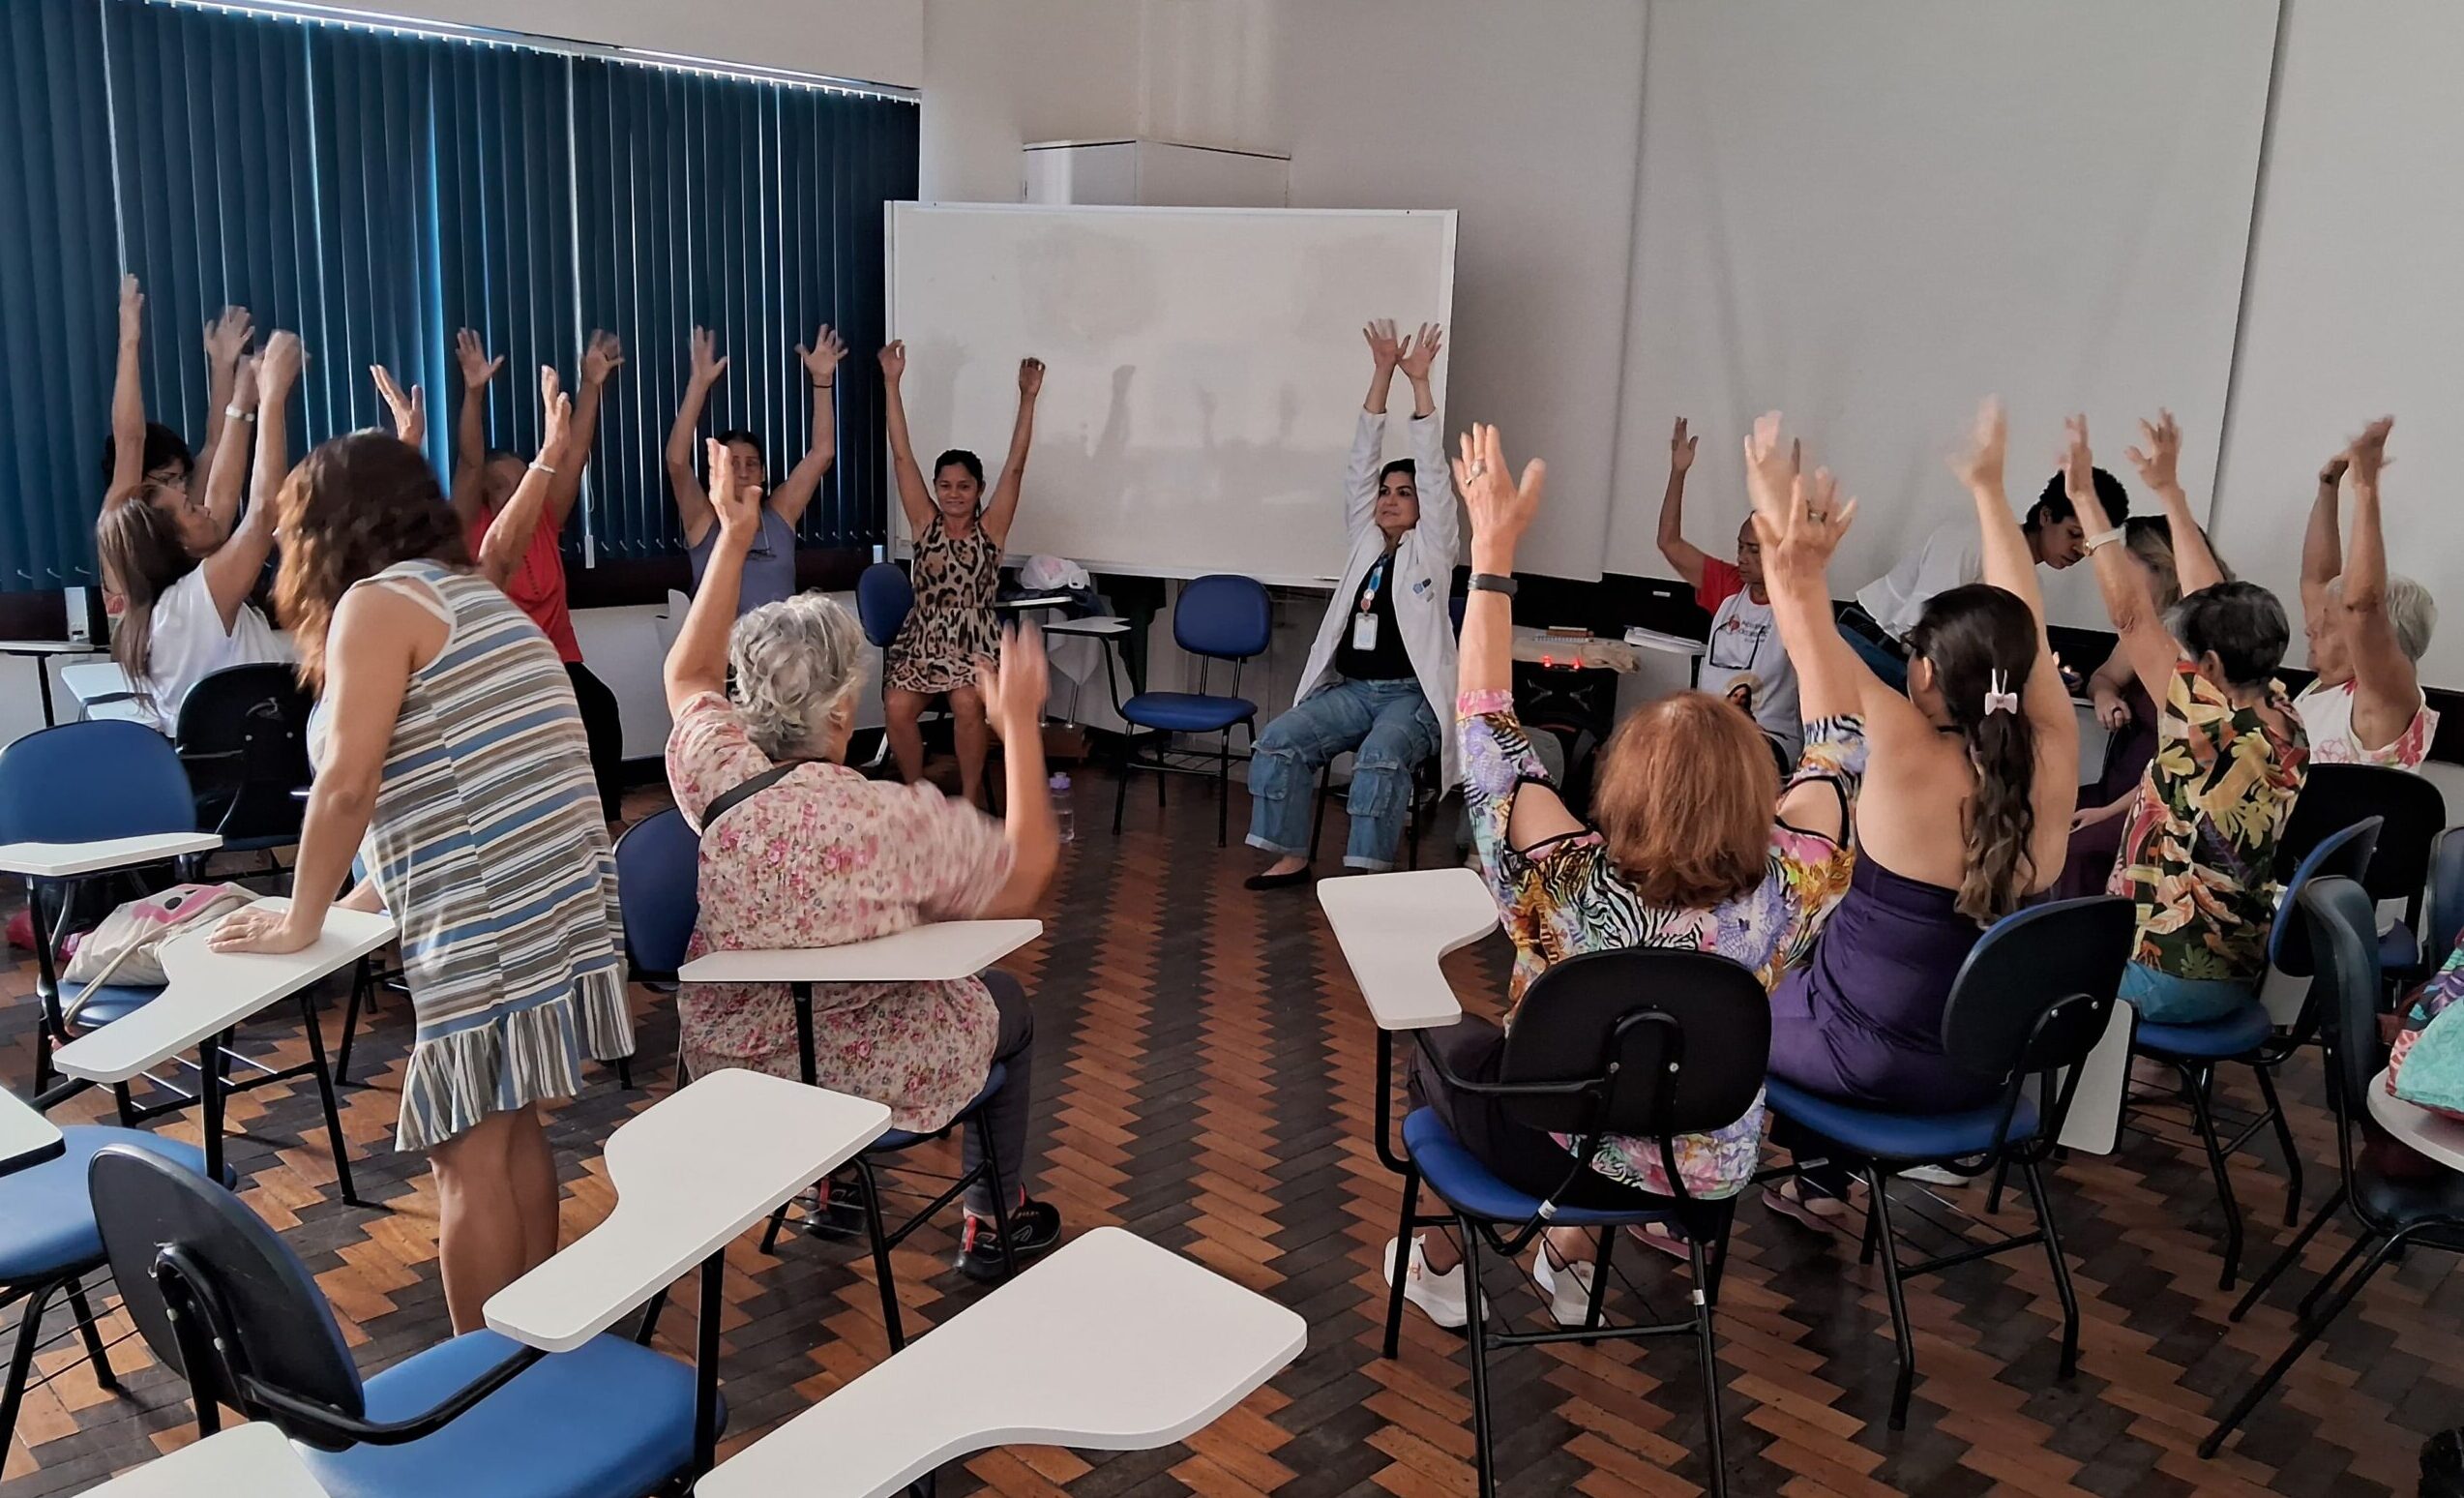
(450, 754)
(957, 536)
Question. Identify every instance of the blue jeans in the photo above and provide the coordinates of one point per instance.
(2161, 998)
(1389, 727)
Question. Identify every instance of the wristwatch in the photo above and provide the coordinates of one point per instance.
(1492, 582)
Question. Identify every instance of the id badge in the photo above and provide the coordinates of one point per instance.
(1364, 632)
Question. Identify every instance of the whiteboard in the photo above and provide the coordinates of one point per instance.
(1203, 369)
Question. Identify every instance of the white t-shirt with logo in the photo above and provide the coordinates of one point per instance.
(190, 643)
(1744, 662)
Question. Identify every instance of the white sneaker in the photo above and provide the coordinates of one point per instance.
(1442, 1298)
(1568, 1288)
(1935, 1175)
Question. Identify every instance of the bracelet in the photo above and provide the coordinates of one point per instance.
(1492, 582)
(543, 468)
(2103, 538)
(236, 414)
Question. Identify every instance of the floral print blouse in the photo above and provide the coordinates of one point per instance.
(820, 858)
(1565, 897)
(2198, 845)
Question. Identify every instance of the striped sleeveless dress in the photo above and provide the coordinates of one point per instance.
(488, 846)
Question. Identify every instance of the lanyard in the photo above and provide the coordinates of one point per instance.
(1369, 586)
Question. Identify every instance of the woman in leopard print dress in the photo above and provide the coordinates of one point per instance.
(958, 565)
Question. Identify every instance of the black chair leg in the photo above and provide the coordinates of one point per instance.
(1402, 1260)
(2307, 1333)
(91, 1336)
(350, 1027)
(770, 1233)
(1223, 789)
(2310, 1299)
(624, 1072)
(2284, 1142)
(2001, 1178)
(22, 1360)
(2291, 1255)
(1599, 1296)
(2196, 1086)
(1477, 1348)
(1120, 788)
(1879, 1204)
(1000, 1191)
(1715, 1448)
(1318, 808)
(325, 1096)
(882, 1272)
(2043, 1202)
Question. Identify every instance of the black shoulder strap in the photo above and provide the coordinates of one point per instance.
(736, 794)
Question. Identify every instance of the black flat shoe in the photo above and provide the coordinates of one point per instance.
(1275, 880)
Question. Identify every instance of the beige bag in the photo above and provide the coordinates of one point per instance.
(126, 948)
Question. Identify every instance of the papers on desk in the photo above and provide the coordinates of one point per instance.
(1653, 640)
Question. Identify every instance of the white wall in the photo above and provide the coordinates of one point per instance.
(2357, 296)
(874, 40)
(999, 73)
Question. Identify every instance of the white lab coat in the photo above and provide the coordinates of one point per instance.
(1423, 572)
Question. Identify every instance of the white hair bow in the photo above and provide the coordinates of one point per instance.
(1999, 697)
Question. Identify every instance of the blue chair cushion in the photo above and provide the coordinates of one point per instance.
(1877, 1134)
(46, 1219)
(1468, 1186)
(899, 1139)
(110, 1001)
(608, 1420)
(2399, 949)
(2237, 1033)
(1187, 712)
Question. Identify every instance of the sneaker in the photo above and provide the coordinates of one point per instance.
(1816, 1210)
(1935, 1175)
(1035, 1228)
(1568, 1287)
(1439, 1297)
(834, 1211)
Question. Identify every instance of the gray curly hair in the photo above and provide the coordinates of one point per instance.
(2410, 608)
(796, 663)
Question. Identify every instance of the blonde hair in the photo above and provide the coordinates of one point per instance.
(1684, 799)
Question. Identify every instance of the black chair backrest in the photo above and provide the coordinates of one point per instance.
(2037, 992)
(2344, 935)
(274, 1321)
(2446, 897)
(243, 735)
(1663, 1042)
(2336, 796)
(2344, 854)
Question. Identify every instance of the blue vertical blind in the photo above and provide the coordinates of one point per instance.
(374, 191)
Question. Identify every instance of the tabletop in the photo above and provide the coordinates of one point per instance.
(67, 860)
(1393, 928)
(254, 1460)
(26, 1137)
(1534, 646)
(1094, 624)
(51, 647)
(2440, 1138)
(1133, 1347)
(920, 955)
(690, 1172)
(210, 992)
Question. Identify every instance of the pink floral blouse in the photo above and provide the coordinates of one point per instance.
(820, 858)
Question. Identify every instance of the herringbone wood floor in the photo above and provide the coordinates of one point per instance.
(1204, 1076)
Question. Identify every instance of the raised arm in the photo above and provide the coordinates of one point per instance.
(600, 361)
(1369, 433)
(230, 469)
(510, 530)
(697, 662)
(2145, 644)
(1682, 555)
(2193, 560)
(2323, 544)
(408, 409)
(821, 372)
(1002, 508)
(1440, 528)
(1501, 509)
(1797, 545)
(127, 401)
(915, 500)
(693, 502)
(1014, 691)
(232, 571)
(471, 428)
(2386, 684)
(225, 346)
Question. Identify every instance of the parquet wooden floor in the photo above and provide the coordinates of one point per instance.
(1204, 1077)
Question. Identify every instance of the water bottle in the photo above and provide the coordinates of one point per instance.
(1064, 818)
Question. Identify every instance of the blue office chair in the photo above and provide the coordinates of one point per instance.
(2249, 1038)
(2390, 1212)
(2446, 914)
(79, 783)
(2030, 1003)
(1218, 617)
(243, 737)
(2411, 810)
(50, 1246)
(1641, 1042)
(658, 874)
(223, 1301)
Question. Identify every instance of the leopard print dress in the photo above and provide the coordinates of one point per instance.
(952, 621)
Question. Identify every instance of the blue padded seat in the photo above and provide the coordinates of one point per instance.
(1187, 712)
(1466, 1186)
(899, 1139)
(46, 1219)
(606, 1417)
(2399, 949)
(2225, 1037)
(1900, 1136)
(111, 1002)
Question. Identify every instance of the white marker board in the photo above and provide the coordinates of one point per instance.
(1203, 368)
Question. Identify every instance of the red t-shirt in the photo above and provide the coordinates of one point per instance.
(538, 585)
(1721, 581)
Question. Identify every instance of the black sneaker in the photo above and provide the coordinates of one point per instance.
(836, 1210)
(1035, 1228)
